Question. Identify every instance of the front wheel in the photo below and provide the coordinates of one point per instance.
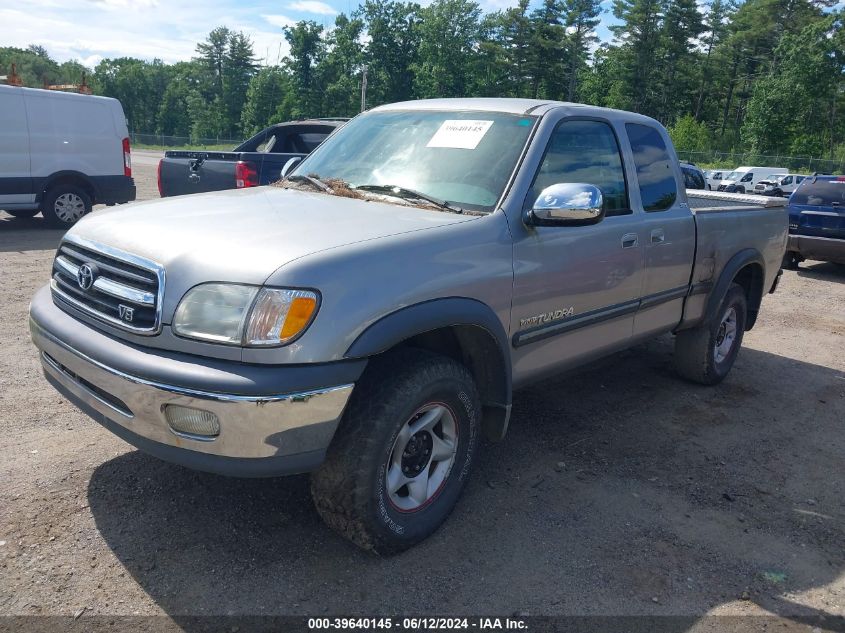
(402, 453)
(705, 354)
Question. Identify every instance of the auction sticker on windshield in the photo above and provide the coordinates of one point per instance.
(460, 133)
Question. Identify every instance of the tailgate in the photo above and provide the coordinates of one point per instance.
(818, 221)
(183, 172)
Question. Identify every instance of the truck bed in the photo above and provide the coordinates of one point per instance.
(257, 161)
(727, 223)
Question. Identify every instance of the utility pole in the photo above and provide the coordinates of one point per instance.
(364, 89)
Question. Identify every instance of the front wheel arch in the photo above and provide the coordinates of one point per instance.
(463, 329)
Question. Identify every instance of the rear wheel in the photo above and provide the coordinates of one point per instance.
(705, 354)
(64, 205)
(402, 453)
(23, 213)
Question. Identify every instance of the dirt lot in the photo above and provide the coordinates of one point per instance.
(619, 491)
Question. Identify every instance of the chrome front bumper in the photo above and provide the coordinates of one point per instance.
(260, 435)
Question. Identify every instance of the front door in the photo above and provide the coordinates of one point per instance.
(576, 288)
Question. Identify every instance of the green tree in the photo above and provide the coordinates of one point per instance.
(342, 67)
(448, 31)
(639, 38)
(264, 98)
(690, 135)
(547, 51)
(517, 36)
(682, 25)
(307, 50)
(392, 49)
(581, 17)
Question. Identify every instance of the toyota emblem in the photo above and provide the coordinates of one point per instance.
(85, 276)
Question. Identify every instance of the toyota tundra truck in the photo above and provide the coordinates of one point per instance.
(368, 318)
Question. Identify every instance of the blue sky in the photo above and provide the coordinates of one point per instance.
(90, 30)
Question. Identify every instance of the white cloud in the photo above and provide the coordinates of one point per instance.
(312, 6)
(91, 30)
(279, 20)
(127, 4)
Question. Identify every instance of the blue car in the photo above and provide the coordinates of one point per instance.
(816, 221)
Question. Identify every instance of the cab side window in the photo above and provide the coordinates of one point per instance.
(747, 177)
(656, 178)
(584, 152)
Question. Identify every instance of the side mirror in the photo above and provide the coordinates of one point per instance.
(567, 204)
(293, 162)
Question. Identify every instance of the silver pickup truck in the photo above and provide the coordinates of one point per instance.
(369, 317)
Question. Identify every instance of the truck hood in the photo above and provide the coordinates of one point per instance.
(244, 236)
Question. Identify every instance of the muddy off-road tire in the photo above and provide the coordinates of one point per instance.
(402, 453)
(705, 354)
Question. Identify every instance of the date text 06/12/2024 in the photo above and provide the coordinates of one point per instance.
(417, 624)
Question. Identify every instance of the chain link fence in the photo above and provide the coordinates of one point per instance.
(727, 160)
(163, 141)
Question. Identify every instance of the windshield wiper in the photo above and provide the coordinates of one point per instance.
(311, 180)
(410, 194)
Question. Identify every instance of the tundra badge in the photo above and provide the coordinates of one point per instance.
(540, 319)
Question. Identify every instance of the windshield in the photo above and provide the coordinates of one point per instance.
(735, 175)
(463, 158)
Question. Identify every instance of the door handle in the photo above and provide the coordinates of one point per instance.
(629, 240)
(657, 236)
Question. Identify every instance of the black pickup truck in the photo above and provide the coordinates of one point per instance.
(257, 161)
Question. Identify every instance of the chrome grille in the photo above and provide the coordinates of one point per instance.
(113, 286)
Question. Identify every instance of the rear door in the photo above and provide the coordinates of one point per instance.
(576, 288)
(15, 176)
(668, 229)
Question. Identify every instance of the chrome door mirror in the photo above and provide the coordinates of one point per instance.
(293, 162)
(567, 204)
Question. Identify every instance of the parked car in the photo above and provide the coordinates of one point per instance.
(743, 179)
(769, 181)
(257, 161)
(368, 318)
(782, 185)
(693, 176)
(714, 177)
(817, 221)
(62, 153)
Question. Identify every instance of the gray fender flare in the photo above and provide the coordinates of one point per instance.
(736, 263)
(405, 323)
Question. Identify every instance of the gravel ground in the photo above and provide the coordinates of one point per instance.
(620, 490)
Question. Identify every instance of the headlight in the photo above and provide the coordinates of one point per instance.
(244, 315)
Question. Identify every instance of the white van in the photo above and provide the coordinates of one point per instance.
(62, 153)
(743, 179)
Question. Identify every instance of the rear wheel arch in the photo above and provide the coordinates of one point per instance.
(747, 269)
(465, 330)
(68, 178)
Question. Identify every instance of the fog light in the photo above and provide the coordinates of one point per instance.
(197, 422)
